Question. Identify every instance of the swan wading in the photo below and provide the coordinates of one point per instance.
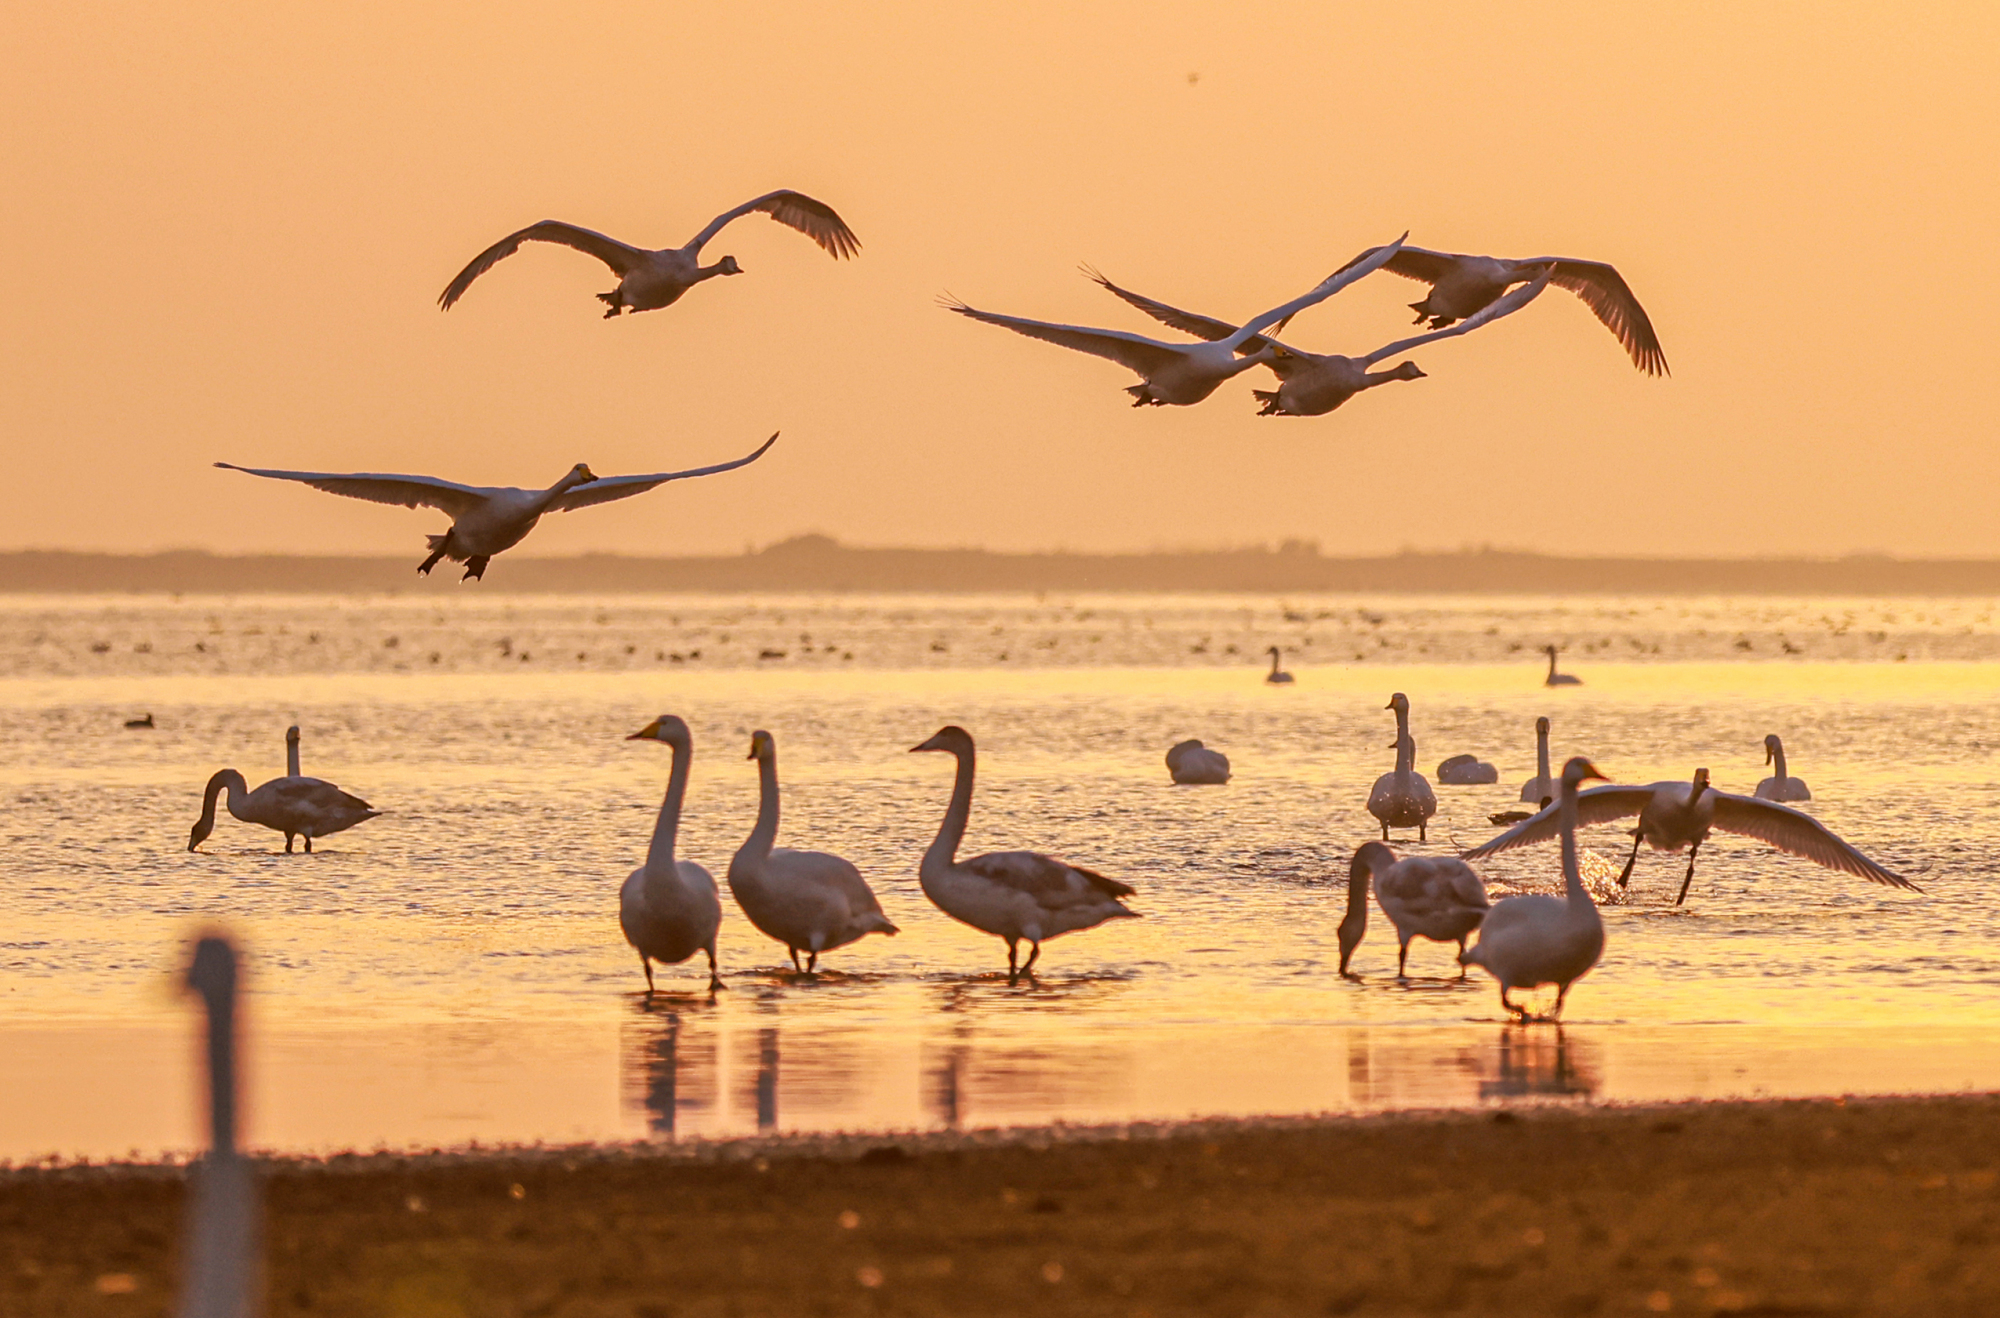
(1401, 798)
(297, 806)
(649, 280)
(1192, 764)
(1014, 895)
(668, 908)
(1779, 786)
(808, 900)
(486, 519)
(1434, 897)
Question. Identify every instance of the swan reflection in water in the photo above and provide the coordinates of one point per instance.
(669, 1064)
(1532, 1064)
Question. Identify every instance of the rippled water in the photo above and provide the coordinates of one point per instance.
(453, 970)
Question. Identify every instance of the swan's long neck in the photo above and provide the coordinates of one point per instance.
(291, 757)
(1542, 754)
(708, 271)
(1354, 923)
(1406, 759)
(1579, 897)
(1274, 662)
(765, 834)
(944, 850)
(660, 854)
(556, 491)
(1552, 661)
(1778, 759)
(1262, 357)
(238, 789)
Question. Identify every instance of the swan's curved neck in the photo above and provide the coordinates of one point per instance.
(556, 491)
(944, 850)
(238, 789)
(291, 757)
(1542, 755)
(660, 854)
(1354, 923)
(702, 272)
(1274, 663)
(1406, 758)
(765, 834)
(1552, 663)
(1573, 888)
(1778, 760)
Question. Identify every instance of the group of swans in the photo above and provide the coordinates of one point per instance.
(294, 805)
(813, 902)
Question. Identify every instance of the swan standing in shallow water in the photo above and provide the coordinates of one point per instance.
(1779, 787)
(649, 280)
(1434, 897)
(222, 1248)
(1013, 895)
(1528, 941)
(1554, 678)
(1541, 789)
(1277, 676)
(486, 519)
(1401, 798)
(1194, 765)
(668, 908)
(1675, 815)
(1182, 374)
(805, 899)
(294, 805)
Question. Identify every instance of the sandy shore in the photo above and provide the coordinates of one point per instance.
(1880, 1206)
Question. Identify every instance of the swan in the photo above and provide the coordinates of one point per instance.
(1541, 789)
(294, 805)
(1192, 764)
(1467, 771)
(222, 1219)
(1277, 676)
(1461, 286)
(1435, 897)
(1401, 798)
(1310, 384)
(1779, 787)
(486, 519)
(1181, 374)
(1554, 678)
(668, 908)
(649, 280)
(144, 723)
(1674, 815)
(804, 899)
(1013, 895)
(1531, 940)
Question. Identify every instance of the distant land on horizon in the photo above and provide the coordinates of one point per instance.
(818, 563)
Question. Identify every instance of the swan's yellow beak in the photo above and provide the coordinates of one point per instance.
(583, 470)
(647, 733)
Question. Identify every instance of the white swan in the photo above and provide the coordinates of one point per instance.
(1312, 384)
(1401, 798)
(294, 805)
(1467, 771)
(1554, 678)
(649, 280)
(222, 1247)
(1013, 895)
(1528, 941)
(1779, 786)
(485, 519)
(1434, 897)
(1277, 676)
(1462, 285)
(805, 899)
(1181, 374)
(1194, 765)
(1675, 815)
(668, 908)
(1541, 789)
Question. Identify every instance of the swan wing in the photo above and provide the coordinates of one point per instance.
(1611, 299)
(1421, 263)
(313, 794)
(621, 257)
(1202, 327)
(1505, 305)
(1363, 265)
(1050, 882)
(1799, 833)
(607, 488)
(795, 210)
(828, 872)
(1146, 356)
(1599, 805)
(401, 491)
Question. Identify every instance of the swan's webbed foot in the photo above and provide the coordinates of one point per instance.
(612, 305)
(475, 567)
(715, 983)
(424, 568)
(646, 964)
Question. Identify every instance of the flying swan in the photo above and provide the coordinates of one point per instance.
(649, 280)
(294, 805)
(668, 908)
(486, 519)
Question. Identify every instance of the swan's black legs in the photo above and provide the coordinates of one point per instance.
(1402, 959)
(1520, 1014)
(309, 844)
(1013, 953)
(1420, 831)
(1034, 955)
(475, 567)
(1677, 901)
(424, 568)
(1461, 959)
(714, 980)
(288, 843)
(1562, 991)
(1625, 875)
(812, 963)
(646, 964)
(1385, 832)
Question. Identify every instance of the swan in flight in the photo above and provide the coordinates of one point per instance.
(294, 805)
(668, 908)
(1013, 895)
(1192, 764)
(1401, 798)
(221, 1243)
(1674, 815)
(1779, 787)
(1531, 940)
(1540, 789)
(805, 899)
(649, 280)
(1434, 897)
(1310, 384)
(1181, 374)
(1558, 679)
(1467, 771)
(487, 519)
(1462, 286)
(1277, 676)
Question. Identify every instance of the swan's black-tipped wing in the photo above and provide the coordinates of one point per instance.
(1611, 299)
(607, 488)
(621, 257)
(1800, 834)
(400, 491)
(795, 210)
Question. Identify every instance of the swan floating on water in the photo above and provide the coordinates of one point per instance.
(1013, 895)
(1540, 789)
(144, 723)
(1779, 787)
(294, 805)
(1676, 815)
(1277, 676)
(222, 1237)
(805, 899)
(1194, 765)
(1461, 286)
(1531, 940)
(1554, 678)
(1467, 771)
(668, 908)
(486, 519)
(649, 280)
(1182, 374)
(1434, 897)
(1401, 798)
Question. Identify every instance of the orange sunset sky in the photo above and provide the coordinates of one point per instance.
(225, 226)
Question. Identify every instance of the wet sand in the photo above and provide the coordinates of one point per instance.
(1828, 1207)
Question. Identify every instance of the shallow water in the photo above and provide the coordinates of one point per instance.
(453, 970)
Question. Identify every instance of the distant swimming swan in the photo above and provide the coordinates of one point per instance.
(1554, 678)
(1277, 676)
(1194, 765)
(1780, 787)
